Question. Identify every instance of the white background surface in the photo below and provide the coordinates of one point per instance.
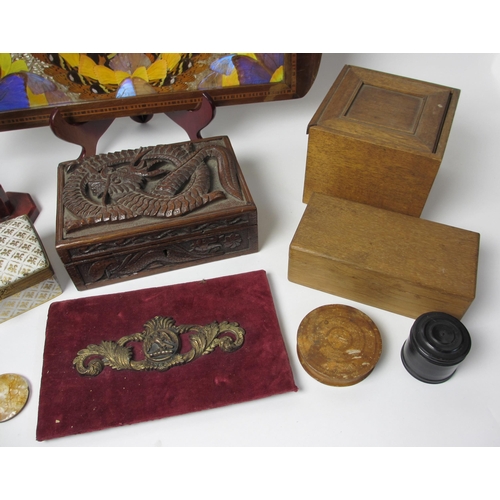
(389, 408)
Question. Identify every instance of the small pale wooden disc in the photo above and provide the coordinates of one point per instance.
(338, 345)
(14, 392)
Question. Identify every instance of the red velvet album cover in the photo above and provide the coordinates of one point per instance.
(71, 403)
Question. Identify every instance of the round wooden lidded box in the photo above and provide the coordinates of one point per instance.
(338, 345)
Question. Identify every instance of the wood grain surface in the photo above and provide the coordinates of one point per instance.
(338, 345)
(379, 139)
(396, 262)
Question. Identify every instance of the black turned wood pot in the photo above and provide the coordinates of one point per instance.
(437, 344)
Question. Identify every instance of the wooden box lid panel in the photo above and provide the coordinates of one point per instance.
(389, 110)
(396, 262)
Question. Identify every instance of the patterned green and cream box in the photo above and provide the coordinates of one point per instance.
(26, 276)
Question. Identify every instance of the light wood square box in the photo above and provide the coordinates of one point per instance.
(392, 261)
(379, 139)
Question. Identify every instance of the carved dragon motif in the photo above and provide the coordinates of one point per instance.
(160, 181)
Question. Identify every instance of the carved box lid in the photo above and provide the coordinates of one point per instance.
(159, 188)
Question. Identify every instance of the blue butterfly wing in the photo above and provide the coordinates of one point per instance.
(250, 72)
(271, 61)
(131, 87)
(223, 65)
(13, 93)
(126, 89)
(38, 84)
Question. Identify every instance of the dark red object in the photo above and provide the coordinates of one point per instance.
(194, 121)
(72, 404)
(86, 135)
(16, 204)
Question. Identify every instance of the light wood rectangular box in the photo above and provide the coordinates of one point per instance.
(392, 261)
(379, 139)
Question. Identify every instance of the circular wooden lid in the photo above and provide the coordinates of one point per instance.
(338, 345)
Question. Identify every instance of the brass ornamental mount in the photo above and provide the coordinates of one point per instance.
(161, 344)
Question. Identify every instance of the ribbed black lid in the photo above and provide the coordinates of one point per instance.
(440, 338)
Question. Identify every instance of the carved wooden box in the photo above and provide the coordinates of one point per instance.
(392, 261)
(134, 213)
(379, 139)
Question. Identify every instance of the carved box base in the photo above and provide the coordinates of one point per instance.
(135, 213)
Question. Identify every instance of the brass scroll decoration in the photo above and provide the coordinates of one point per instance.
(161, 344)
